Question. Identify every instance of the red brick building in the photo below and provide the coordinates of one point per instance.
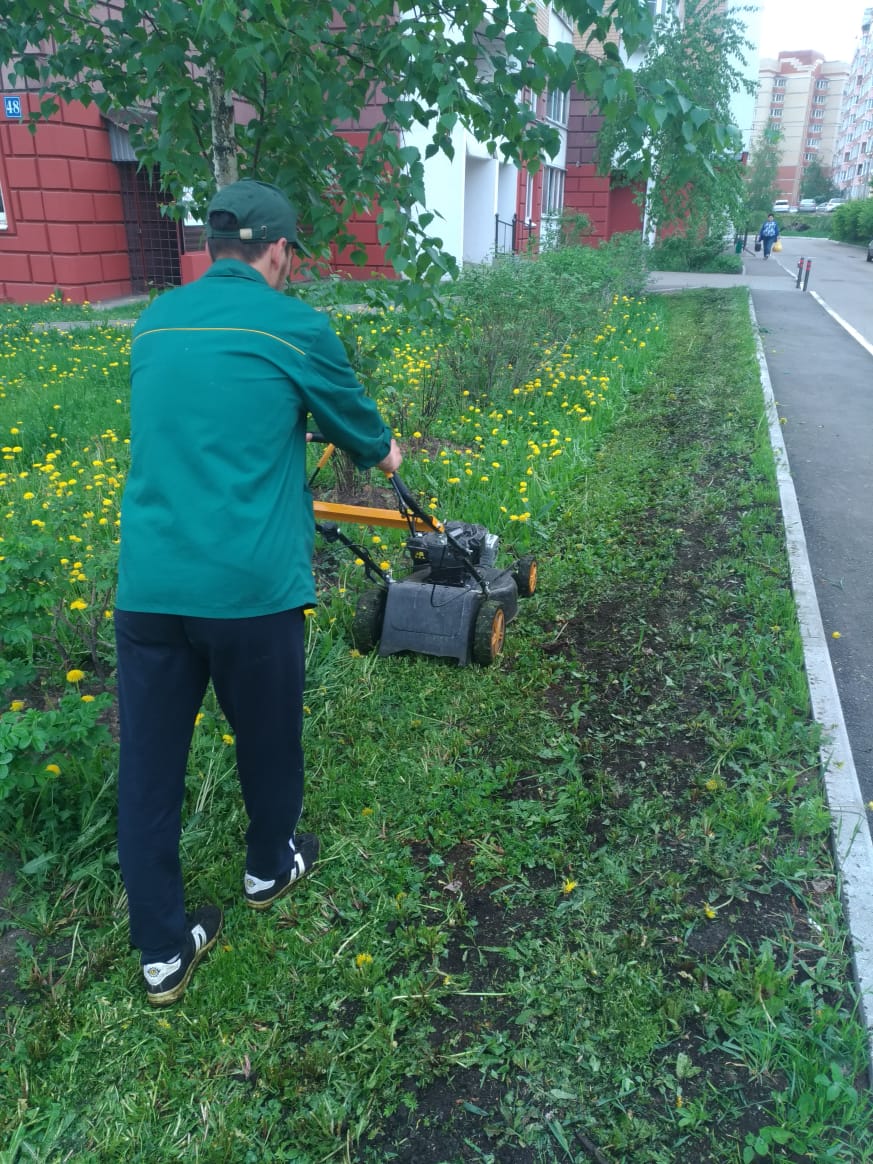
(610, 206)
(78, 216)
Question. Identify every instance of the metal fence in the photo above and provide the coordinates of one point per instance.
(512, 237)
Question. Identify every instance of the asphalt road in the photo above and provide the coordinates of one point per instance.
(839, 273)
(822, 378)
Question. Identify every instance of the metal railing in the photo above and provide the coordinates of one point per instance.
(512, 237)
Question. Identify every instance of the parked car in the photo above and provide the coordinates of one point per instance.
(807, 206)
(781, 206)
(870, 251)
(833, 204)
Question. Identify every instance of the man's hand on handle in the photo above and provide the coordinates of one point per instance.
(394, 459)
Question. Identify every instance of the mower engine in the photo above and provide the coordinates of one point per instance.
(449, 558)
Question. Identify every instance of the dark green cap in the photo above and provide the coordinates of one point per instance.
(262, 212)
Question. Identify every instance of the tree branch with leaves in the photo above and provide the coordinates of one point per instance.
(691, 162)
(294, 70)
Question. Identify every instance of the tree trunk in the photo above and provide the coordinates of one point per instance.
(223, 139)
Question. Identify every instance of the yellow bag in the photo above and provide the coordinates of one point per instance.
(777, 245)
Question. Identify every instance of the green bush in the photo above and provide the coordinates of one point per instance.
(498, 311)
(726, 264)
(679, 253)
(853, 221)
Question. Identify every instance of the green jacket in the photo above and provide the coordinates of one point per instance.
(216, 519)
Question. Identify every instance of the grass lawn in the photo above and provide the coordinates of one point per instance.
(579, 906)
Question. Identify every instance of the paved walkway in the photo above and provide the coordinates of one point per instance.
(817, 378)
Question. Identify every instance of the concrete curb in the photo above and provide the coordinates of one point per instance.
(853, 846)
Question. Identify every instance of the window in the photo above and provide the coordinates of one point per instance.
(3, 223)
(557, 107)
(809, 157)
(775, 111)
(778, 82)
(553, 190)
(778, 97)
(811, 141)
(822, 84)
(818, 113)
(819, 100)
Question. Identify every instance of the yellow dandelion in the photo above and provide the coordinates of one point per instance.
(362, 960)
(227, 739)
(53, 768)
(569, 886)
(75, 676)
(16, 705)
(708, 911)
(78, 604)
(87, 698)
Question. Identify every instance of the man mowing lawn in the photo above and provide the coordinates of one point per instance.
(215, 564)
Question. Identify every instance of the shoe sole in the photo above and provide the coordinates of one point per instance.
(170, 996)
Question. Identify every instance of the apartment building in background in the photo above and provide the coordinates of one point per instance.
(853, 148)
(801, 94)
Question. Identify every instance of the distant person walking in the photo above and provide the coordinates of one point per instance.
(768, 234)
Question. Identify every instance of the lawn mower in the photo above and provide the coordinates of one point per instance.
(455, 603)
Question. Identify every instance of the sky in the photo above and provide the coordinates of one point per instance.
(831, 27)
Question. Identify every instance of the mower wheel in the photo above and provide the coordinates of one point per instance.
(489, 631)
(367, 623)
(525, 575)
